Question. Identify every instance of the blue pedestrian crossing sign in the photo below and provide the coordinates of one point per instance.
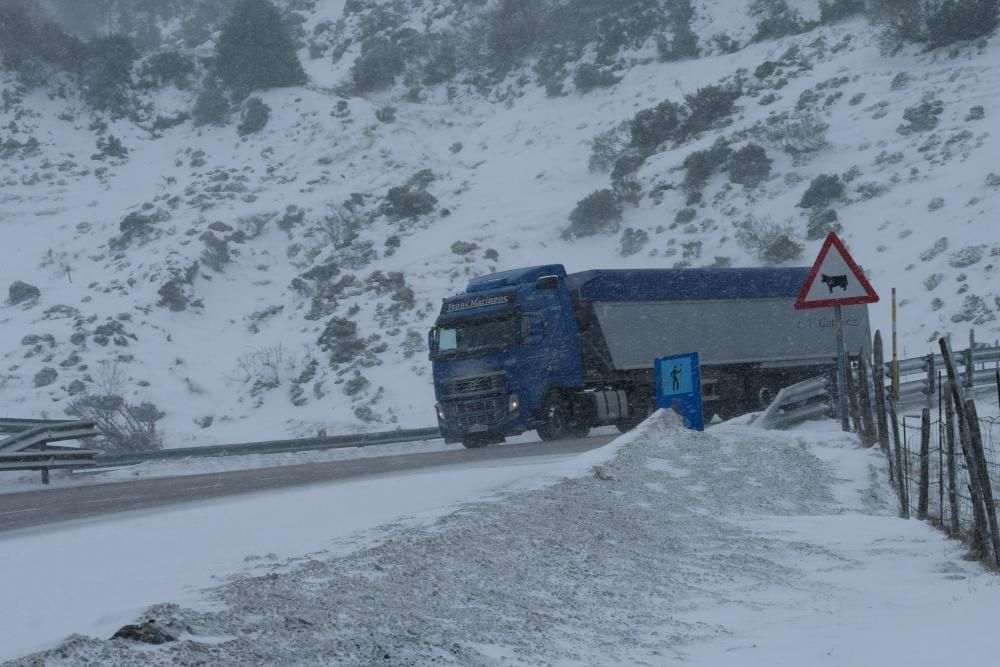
(678, 386)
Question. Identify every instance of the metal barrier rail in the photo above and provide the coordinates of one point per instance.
(29, 449)
(798, 402)
(272, 446)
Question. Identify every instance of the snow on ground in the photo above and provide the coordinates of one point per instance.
(734, 546)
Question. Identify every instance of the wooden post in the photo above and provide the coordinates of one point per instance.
(45, 471)
(841, 369)
(864, 393)
(925, 463)
(878, 383)
(852, 398)
(981, 535)
(949, 433)
(976, 440)
(895, 359)
(904, 500)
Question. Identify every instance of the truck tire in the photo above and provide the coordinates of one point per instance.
(559, 422)
(480, 441)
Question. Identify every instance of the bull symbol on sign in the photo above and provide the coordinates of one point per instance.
(834, 281)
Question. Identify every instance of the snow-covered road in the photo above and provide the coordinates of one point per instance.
(735, 546)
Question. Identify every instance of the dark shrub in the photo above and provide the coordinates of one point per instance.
(596, 213)
(255, 51)
(403, 201)
(749, 166)
(822, 221)
(776, 19)
(831, 11)
(19, 292)
(377, 67)
(702, 164)
(589, 76)
(254, 117)
(108, 74)
(216, 253)
(651, 127)
(961, 20)
(211, 107)
(512, 31)
(822, 190)
(168, 67)
(684, 43)
(625, 165)
(340, 339)
(708, 105)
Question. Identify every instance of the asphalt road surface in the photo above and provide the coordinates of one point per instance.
(34, 508)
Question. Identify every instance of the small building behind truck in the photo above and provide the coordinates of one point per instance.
(537, 348)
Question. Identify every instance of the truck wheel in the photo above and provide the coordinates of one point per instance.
(558, 420)
(480, 441)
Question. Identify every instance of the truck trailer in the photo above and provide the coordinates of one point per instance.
(537, 348)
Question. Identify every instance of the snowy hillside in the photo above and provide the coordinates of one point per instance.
(274, 284)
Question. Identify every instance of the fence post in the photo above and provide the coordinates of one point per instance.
(904, 501)
(878, 382)
(852, 397)
(969, 370)
(980, 536)
(866, 401)
(925, 463)
(976, 440)
(949, 433)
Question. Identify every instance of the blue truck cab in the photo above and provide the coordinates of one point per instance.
(498, 348)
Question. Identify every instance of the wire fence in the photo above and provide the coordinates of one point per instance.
(950, 502)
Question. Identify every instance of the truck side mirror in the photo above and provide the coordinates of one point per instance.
(547, 282)
(430, 342)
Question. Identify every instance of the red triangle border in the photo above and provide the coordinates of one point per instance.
(833, 240)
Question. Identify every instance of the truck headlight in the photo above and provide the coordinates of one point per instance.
(513, 403)
(440, 411)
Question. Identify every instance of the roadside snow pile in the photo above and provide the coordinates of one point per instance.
(674, 545)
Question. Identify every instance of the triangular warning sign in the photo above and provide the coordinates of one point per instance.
(835, 279)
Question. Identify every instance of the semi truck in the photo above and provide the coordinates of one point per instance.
(537, 348)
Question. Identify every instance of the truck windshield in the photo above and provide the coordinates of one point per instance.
(474, 337)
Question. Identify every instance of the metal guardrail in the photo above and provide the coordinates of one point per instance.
(29, 449)
(272, 446)
(809, 399)
(800, 402)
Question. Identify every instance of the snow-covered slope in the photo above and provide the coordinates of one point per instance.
(247, 358)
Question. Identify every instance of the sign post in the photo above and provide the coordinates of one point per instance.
(678, 386)
(841, 283)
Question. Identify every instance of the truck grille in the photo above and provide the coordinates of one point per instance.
(486, 411)
(473, 384)
(475, 400)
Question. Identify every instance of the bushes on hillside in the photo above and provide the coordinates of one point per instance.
(596, 213)
(822, 190)
(378, 66)
(709, 105)
(253, 117)
(776, 19)
(933, 23)
(749, 166)
(769, 242)
(255, 51)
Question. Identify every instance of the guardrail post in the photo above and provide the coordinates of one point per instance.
(852, 397)
(45, 471)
